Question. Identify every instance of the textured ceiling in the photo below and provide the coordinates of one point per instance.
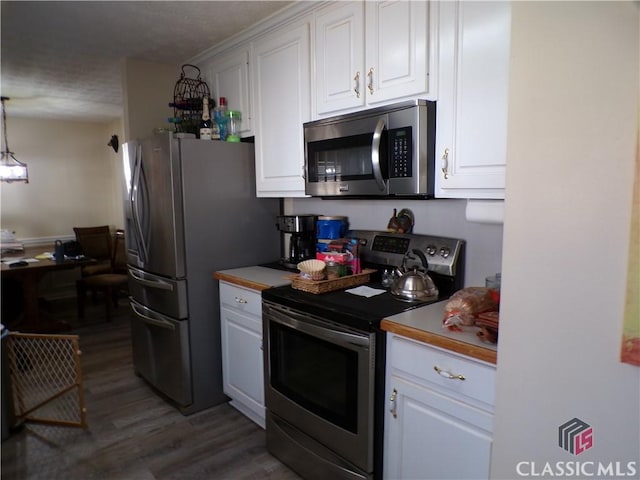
(63, 59)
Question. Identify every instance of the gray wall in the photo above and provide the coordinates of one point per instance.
(434, 217)
(147, 91)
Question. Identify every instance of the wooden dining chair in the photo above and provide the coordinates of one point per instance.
(96, 244)
(110, 284)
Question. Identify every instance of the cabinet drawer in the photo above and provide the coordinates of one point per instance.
(241, 299)
(433, 367)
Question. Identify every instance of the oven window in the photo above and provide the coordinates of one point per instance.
(346, 158)
(317, 375)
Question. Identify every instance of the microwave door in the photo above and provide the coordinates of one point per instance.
(347, 160)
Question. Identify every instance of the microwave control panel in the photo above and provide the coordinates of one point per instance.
(400, 152)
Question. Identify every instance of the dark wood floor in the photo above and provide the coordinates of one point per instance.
(133, 433)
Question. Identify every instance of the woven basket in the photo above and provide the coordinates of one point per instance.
(324, 286)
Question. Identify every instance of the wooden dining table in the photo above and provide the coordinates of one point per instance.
(29, 277)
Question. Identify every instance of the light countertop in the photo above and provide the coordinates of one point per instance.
(425, 324)
(256, 278)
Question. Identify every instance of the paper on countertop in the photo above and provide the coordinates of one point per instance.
(8, 261)
(365, 291)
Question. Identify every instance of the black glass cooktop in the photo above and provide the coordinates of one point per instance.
(341, 306)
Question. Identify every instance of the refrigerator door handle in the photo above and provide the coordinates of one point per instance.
(153, 321)
(150, 283)
(133, 199)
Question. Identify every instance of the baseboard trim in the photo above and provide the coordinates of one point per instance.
(36, 241)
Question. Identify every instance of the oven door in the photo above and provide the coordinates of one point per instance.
(347, 158)
(319, 378)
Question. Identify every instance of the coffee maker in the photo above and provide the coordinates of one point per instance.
(298, 234)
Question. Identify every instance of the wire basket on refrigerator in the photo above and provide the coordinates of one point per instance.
(187, 101)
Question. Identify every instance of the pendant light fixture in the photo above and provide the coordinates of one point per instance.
(11, 169)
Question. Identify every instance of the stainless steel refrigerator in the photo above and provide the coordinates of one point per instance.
(190, 210)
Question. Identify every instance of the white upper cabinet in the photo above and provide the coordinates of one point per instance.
(229, 78)
(282, 103)
(371, 53)
(339, 57)
(397, 45)
(473, 79)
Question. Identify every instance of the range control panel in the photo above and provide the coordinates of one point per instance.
(444, 255)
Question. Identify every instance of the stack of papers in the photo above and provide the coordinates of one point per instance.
(9, 243)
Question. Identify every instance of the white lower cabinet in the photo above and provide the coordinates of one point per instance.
(242, 364)
(439, 416)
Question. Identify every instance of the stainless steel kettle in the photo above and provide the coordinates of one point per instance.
(414, 285)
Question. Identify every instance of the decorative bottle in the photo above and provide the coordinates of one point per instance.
(220, 117)
(205, 123)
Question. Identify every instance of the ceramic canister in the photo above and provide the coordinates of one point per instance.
(331, 227)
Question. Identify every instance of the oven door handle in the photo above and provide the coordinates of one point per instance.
(337, 337)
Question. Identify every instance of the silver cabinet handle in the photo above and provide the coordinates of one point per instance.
(445, 163)
(370, 85)
(393, 403)
(241, 300)
(446, 374)
(356, 89)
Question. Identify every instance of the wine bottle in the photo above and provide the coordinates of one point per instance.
(205, 123)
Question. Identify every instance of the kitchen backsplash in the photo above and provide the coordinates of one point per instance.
(434, 217)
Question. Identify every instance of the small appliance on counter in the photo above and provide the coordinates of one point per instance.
(298, 238)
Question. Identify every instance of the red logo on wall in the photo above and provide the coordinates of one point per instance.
(575, 436)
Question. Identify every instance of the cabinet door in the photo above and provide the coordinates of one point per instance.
(282, 104)
(242, 371)
(433, 436)
(229, 78)
(473, 82)
(339, 56)
(397, 50)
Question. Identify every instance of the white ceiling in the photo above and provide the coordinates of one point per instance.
(62, 59)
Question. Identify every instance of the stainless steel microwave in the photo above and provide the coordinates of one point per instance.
(384, 151)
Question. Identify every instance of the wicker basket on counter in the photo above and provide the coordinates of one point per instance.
(324, 286)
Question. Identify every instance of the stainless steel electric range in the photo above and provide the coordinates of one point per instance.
(325, 358)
